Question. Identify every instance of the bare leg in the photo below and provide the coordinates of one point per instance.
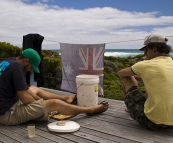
(60, 103)
(48, 95)
(128, 82)
(69, 109)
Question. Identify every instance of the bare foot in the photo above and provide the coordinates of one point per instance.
(72, 99)
(126, 109)
(102, 107)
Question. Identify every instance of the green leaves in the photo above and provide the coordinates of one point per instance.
(7, 50)
(52, 67)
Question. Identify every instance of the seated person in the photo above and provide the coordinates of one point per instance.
(20, 103)
(155, 110)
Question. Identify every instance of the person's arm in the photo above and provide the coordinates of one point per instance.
(137, 77)
(125, 72)
(27, 96)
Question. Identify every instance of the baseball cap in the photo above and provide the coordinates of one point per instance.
(153, 38)
(33, 57)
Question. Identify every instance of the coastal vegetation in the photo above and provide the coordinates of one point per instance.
(51, 62)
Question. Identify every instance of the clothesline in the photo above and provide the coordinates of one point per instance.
(99, 43)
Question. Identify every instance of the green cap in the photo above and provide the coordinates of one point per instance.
(33, 57)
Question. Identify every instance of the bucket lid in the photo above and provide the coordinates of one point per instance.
(67, 126)
(87, 76)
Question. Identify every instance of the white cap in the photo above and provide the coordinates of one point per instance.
(153, 38)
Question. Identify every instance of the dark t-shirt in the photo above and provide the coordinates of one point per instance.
(12, 79)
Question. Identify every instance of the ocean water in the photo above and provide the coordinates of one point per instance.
(120, 52)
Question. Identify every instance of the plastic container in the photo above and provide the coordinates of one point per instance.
(87, 90)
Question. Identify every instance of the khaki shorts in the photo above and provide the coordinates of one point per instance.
(20, 113)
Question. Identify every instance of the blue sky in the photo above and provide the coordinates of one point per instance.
(164, 6)
(86, 21)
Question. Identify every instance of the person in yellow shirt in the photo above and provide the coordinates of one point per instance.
(156, 110)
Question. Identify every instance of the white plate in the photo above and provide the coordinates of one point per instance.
(70, 126)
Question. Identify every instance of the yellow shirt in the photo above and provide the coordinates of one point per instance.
(157, 75)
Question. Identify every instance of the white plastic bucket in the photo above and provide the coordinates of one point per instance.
(87, 90)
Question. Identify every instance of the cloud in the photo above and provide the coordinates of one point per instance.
(93, 25)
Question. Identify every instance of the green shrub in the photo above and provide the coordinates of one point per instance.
(52, 67)
(7, 50)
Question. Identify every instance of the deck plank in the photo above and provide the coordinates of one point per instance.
(114, 125)
(6, 131)
(68, 137)
(6, 139)
(45, 133)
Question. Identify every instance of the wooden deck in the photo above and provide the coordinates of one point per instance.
(115, 125)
